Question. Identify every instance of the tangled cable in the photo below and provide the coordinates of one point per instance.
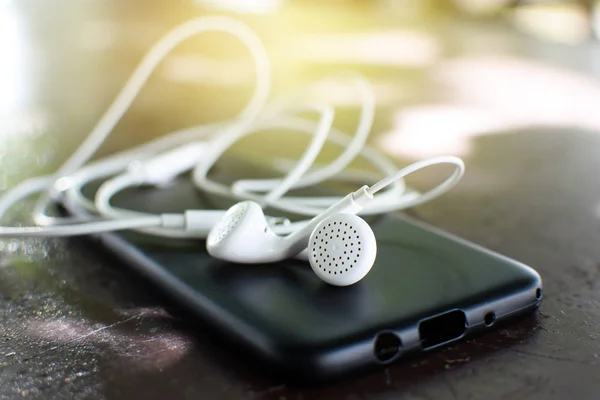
(199, 148)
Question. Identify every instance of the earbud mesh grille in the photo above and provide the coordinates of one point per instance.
(336, 247)
(229, 222)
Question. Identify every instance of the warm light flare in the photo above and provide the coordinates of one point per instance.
(12, 59)
(136, 348)
(191, 68)
(242, 6)
(492, 94)
(426, 131)
(394, 48)
(558, 22)
(523, 92)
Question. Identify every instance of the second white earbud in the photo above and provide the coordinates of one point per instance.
(243, 235)
(342, 249)
(340, 246)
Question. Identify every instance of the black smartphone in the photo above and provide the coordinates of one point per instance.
(427, 289)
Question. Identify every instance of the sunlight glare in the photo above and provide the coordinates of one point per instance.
(12, 56)
(193, 68)
(426, 131)
(393, 48)
(523, 92)
(561, 23)
(485, 95)
(242, 6)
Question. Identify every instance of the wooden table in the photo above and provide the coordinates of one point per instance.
(75, 323)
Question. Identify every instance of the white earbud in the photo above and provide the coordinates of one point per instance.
(342, 249)
(244, 236)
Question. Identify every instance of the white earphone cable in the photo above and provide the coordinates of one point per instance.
(246, 189)
(87, 228)
(165, 163)
(72, 176)
(100, 170)
(279, 187)
(112, 165)
(158, 52)
(124, 100)
(437, 191)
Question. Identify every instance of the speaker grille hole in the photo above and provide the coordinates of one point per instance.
(230, 221)
(489, 318)
(340, 238)
(387, 346)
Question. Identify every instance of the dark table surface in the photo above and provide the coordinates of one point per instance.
(523, 114)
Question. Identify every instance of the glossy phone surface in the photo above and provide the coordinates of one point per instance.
(426, 289)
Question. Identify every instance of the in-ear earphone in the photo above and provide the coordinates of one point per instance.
(342, 249)
(333, 240)
(244, 236)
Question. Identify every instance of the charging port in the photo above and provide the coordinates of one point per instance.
(387, 346)
(442, 329)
